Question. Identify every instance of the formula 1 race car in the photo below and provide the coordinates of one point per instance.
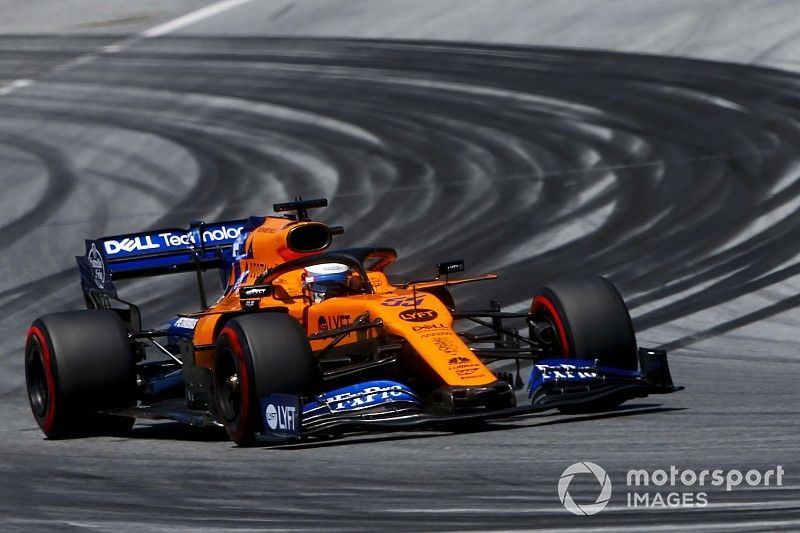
(305, 341)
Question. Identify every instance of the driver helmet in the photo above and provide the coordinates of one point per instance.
(319, 278)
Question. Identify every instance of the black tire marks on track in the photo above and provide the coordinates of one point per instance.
(478, 148)
(537, 162)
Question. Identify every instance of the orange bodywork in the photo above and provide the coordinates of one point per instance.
(409, 312)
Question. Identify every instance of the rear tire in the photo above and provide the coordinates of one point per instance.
(78, 363)
(589, 320)
(256, 355)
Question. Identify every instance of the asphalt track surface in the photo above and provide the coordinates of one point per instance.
(676, 178)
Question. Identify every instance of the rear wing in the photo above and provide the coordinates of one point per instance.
(161, 251)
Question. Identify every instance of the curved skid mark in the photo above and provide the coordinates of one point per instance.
(539, 161)
(61, 183)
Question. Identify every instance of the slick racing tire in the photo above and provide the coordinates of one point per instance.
(256, 355)
(76, 364)
(587, 319)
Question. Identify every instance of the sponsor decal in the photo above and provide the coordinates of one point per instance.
(185, 322)
(170, 240)
(446, 345)
(451, 267)
(403, 301)
(546, 371)
(358, 397)
(436, 334)
(98, 268)
(465, 370)
(254, 292)
(259, 268)
(281, 413)
(139, 244)
(418, 315)
(463, 366)
(368, 397)
(564, 371)
(210, 236)
(332, 322)
(427, 327)
(281, 417)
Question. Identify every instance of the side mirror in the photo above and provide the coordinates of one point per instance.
(449, 267)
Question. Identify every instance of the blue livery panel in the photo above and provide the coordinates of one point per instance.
(361, 396)
(166, 247)
(571, 370)
(365, 402)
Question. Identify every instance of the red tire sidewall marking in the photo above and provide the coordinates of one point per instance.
(50, 414)
(244, 381)
(542, 301)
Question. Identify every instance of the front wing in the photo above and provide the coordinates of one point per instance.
(392, 406)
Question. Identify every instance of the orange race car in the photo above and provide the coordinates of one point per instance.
(305, 341)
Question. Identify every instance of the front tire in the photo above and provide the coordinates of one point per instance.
(586, 318)
(589, 320)
(78, 363)
(256, 355)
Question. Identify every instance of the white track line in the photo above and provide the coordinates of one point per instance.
(192, 18)
(155, 31)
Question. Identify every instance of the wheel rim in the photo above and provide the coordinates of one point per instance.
(229, 390)
(543, 309)
(545, 333)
